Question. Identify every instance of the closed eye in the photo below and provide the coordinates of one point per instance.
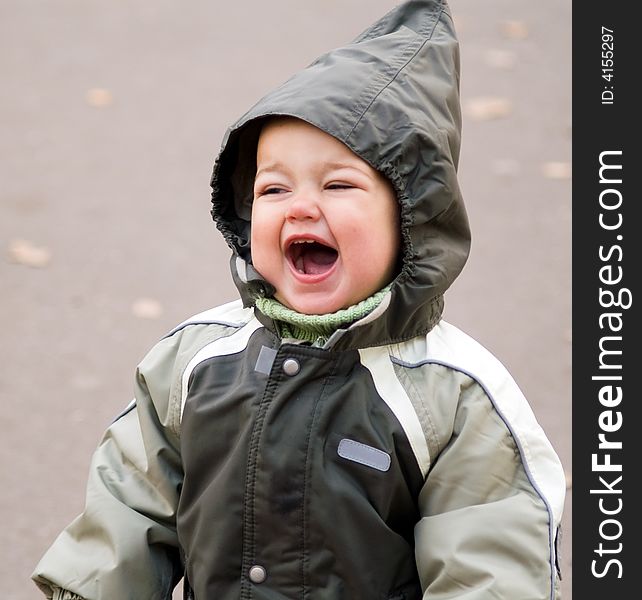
(340, 186)
(272, 190)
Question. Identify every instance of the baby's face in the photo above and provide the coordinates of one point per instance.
(325, 224)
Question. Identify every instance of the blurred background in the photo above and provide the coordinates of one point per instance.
(111, 116)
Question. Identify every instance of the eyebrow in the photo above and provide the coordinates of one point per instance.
(332, 165)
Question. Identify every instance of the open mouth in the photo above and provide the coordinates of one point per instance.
(310, 257)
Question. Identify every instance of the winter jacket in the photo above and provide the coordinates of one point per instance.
(399, 460)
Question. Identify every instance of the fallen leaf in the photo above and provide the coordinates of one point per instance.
(514, 30)
(484, 108)
(556, 170)
(500, 59)
(147, 308)
(24, 252)
(99, 97)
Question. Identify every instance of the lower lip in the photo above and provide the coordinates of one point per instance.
(311, 279)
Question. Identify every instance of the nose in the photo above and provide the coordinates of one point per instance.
(303, 206)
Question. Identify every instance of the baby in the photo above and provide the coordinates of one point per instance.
(329, 435)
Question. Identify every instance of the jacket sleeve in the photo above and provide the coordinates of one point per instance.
(491, 503)
(124, 545)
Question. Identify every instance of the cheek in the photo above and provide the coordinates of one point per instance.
(259, 238)
(370, 249)
(265, 241)
(380, 246)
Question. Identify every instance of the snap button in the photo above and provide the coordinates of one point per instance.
(257, 574)
(291, 366)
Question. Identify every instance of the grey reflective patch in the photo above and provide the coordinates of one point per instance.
(365, 455)
(265, 360)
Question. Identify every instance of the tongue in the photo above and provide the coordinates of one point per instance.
(318, 259)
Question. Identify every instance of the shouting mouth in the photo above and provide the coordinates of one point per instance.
(311, 257)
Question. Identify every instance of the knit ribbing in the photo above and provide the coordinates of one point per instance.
(316, 328)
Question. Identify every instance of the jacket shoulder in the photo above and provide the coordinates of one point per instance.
(231, 314)
(451, 361)
(448, 346)
(163, 373)
(190, 336)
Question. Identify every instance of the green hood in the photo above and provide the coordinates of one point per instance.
(392, 97)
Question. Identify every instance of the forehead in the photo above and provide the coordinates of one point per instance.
(286, 142)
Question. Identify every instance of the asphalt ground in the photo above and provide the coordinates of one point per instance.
(112, 114)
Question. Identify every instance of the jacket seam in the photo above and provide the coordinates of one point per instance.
(210, 322)
(427, 37)
(418, 394)
(181, 387)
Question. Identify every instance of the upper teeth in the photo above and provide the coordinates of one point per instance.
(303, 242)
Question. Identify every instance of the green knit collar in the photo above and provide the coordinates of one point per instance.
(316, 328)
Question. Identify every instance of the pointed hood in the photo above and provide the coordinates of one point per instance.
(392, 97)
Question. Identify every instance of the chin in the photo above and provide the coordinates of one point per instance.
(313, 306)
